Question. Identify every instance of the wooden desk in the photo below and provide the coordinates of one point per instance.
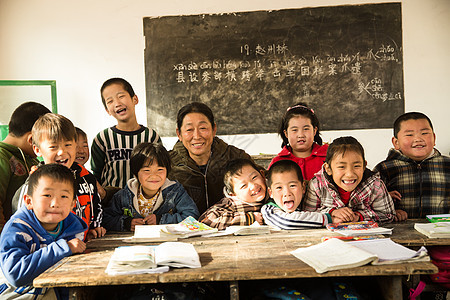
(233, 258)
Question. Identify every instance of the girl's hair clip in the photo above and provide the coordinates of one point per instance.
(302, 107)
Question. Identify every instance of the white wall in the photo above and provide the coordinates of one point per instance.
(82, 43)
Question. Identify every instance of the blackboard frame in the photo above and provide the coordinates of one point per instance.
(365, 41)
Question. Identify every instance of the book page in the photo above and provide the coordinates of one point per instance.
(177, 254)
(333, 254)
(387, 250)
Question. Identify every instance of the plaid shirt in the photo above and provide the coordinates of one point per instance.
(370, 198)
(229, 211)
(424, 186)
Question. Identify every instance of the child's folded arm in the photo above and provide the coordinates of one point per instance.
(116, 215)
(184, 207)
(221, 217)
(20, 267)
(380, 207)
(294, 220)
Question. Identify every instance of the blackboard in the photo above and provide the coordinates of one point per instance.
(344, 61)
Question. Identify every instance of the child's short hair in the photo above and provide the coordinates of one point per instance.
(409, 116)
(195, 107)
(126, 86)
(299, 109)
(54, 127)
(80, 132)
(281, 166)
(234, 168)
(144, 154)
(56, 172)
(24, 117)
(341, 145)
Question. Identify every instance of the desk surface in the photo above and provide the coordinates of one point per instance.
(230, 258)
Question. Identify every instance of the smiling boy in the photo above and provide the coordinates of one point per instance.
(286, 188)
(111, 148)
(55, 140)
(245, 192)
(417, 176)
(40, 234)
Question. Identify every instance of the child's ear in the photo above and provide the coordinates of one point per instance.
(304, 185)
(365, 164)
(135, 100)
(395, 143)
(30, 138)
(327, 169)
(36, 150)
(270, 191)
(27, 200)
(285, 133)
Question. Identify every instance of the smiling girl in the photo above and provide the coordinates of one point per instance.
(345, 189)
(302, 143)
(149, 198)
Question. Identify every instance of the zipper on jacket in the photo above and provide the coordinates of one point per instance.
(419, 168)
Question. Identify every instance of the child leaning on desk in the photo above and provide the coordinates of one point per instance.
(415, 173)
(245, 192)
(150, 197)
(40, 234)
(286, 188)
(345, 189)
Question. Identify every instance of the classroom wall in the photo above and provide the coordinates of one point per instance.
(81, 44)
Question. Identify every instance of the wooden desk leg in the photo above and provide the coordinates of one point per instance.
(234, 290)
(391, 287)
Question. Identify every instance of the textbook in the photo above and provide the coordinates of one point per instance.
(335, 254)
(434, 230)
(438, 218)
(189, 227)
(152, 259)
(150, 233)
(362, 228)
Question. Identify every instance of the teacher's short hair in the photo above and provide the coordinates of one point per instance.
(195, 107)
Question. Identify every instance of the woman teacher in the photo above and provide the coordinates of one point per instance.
(199, 157)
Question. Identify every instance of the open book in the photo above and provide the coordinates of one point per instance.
(335, 254)
(189, 227)
(434, 230)
(150, 233)
(152, 259)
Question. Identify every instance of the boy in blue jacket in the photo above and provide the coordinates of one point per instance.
(40, 234)
(149, 198)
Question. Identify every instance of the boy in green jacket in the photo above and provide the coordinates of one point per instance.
(16, 154)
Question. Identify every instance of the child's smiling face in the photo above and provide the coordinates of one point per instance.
(415, 139)
(119, 103)
(249, 186)
(287, 190)
(82, 155)
(347, 169)
(151, 178)
(52, 201)
(61, 152)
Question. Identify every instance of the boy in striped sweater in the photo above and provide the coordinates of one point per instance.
(286, 189)
(111, 148)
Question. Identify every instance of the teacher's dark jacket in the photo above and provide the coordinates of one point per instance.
(205, 189)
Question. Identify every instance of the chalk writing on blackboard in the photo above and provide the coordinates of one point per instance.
(344, 61)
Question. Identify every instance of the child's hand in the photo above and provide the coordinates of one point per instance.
(101, 191)
(95, 233)
(150, 219)
(344, 213)
(395, 195)
(76, 245)
(400, 215)
(258, 218)
(136, 221)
